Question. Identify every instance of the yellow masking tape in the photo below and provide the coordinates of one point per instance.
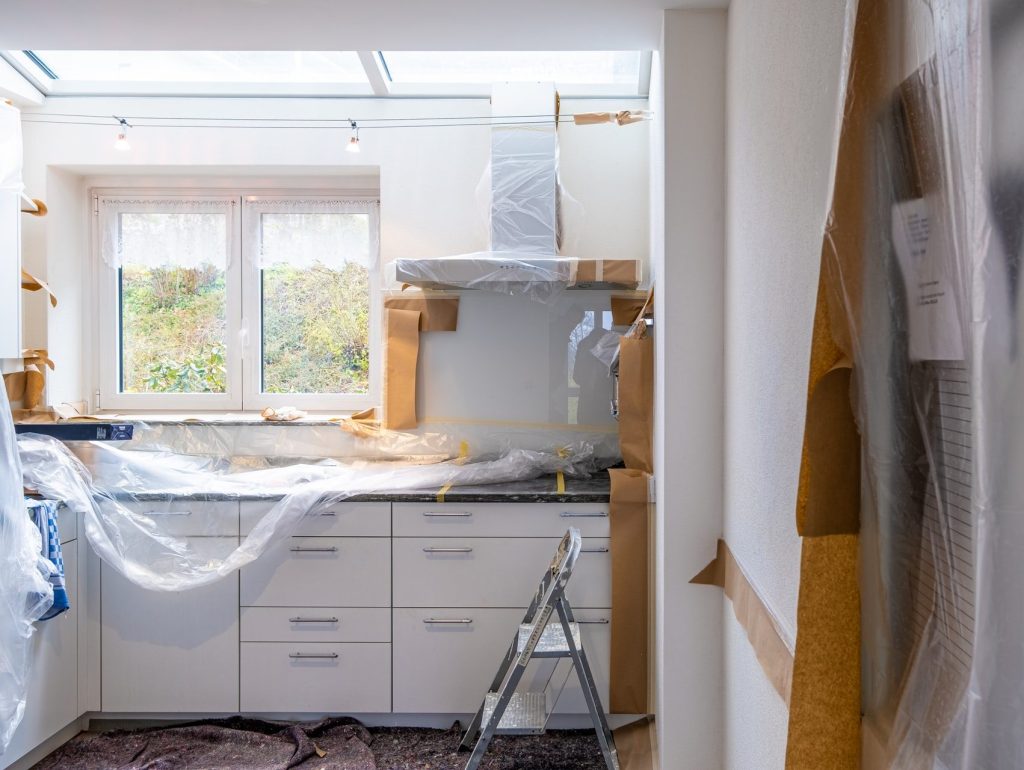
(442, 490)
(560, 482)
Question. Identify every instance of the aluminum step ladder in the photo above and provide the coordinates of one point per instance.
(507, 712)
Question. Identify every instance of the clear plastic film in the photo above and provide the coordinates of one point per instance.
(921, 265)
(25, 591)
(136, 512)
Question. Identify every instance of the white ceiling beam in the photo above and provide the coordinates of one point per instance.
(17, 88)
(375, 72)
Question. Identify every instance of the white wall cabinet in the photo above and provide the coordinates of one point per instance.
(174, 652)
(10, 275)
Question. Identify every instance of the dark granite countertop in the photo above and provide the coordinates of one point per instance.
(540, 490)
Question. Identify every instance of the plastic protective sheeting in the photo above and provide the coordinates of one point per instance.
(922, 260)
(25, 591)
(143, 545)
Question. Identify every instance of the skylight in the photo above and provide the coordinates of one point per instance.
(204, 66)
(620, 68)
(329, 73)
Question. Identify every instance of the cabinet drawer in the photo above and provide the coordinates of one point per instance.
(499, 519)
(338, 520)
(316, 678)
(170, 651)
(67, 524)
(191, 517)
(493, 572)
(316, 624)
(320, 572)
(445, 668)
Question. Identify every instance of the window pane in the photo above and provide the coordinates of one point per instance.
(567, 67)
(173, 302)
(206, 66)
(316, 302)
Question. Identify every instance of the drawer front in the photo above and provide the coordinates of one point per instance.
(499, 519)
(316, 678)
(191, 517)
(316, 624)
(338, 520)
(445, 668)
(320, 572)
(67, 524)
(493, 572)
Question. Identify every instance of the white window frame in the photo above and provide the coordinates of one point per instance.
(244, 346)
(252, 312)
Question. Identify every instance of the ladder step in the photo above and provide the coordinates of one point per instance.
(526, 713)
(552, 642)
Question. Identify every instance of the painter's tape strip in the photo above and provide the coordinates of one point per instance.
(629, 546)
(559, 483)
(443, 491)
(753, 615)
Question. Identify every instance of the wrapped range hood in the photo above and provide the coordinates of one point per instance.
(524, 213)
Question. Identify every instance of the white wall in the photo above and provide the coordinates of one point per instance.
(501, 363)
(783, 89)
(690, 271)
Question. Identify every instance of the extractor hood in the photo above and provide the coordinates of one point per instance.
(524, 213)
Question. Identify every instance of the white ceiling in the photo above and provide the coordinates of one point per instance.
(337, 25)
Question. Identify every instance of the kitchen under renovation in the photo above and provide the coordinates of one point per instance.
(535, 386)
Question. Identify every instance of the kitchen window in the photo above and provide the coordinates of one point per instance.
(235, 301)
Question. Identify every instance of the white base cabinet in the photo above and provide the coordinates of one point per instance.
(174, 652)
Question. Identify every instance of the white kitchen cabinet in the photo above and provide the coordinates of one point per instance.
(173, 652)
(500, 519)
(492, 571)
(52, 697)
(338, 520)
(10, 274)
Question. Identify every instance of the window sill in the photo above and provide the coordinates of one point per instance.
(226, 419)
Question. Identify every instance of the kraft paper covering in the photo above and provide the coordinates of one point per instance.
(628, 515)
(402, 351)
(635, 744)
(754, 617)
(30, 283)
(621, 272)
(27, 385)
(636, 401)
(437, 313)
(626, 309)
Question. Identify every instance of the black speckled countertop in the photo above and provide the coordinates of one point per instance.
(540, 490)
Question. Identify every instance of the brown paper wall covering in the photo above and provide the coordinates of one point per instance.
(402, 339)
(636, 402)
(437, 314)
(628, 514)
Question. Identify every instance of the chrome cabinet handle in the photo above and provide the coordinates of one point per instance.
(307, 549)
(323, 513)
(448, 621)
(453, 514)
(598, 549)
(595, 515)
(312, 655)
(598, 621)
(168, 513)
(448, 550)
(312, 620)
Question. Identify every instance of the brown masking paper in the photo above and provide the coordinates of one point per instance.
(636, 402)
(754, 616)
(824, 710)
(628, 515)
(30, 283)
(620, 272)
(402, 338)
(626, 309)
(635, 744)
(437, 314)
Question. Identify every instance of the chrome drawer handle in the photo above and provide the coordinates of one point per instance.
(448, 621)
(312, 655)
(599, 621)
(312, 620)
(448, 550)
(323, 513)
(168, 513)
(306, 549)
(571, 515)
(454, 514)
(599, 549)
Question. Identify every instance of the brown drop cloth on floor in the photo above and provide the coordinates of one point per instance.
(238, 743)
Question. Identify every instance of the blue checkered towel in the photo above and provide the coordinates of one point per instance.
(44, 513)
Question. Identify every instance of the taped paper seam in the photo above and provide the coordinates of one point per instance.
(757, 620)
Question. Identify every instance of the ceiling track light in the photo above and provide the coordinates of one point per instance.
(121, 143)
(353, 142)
